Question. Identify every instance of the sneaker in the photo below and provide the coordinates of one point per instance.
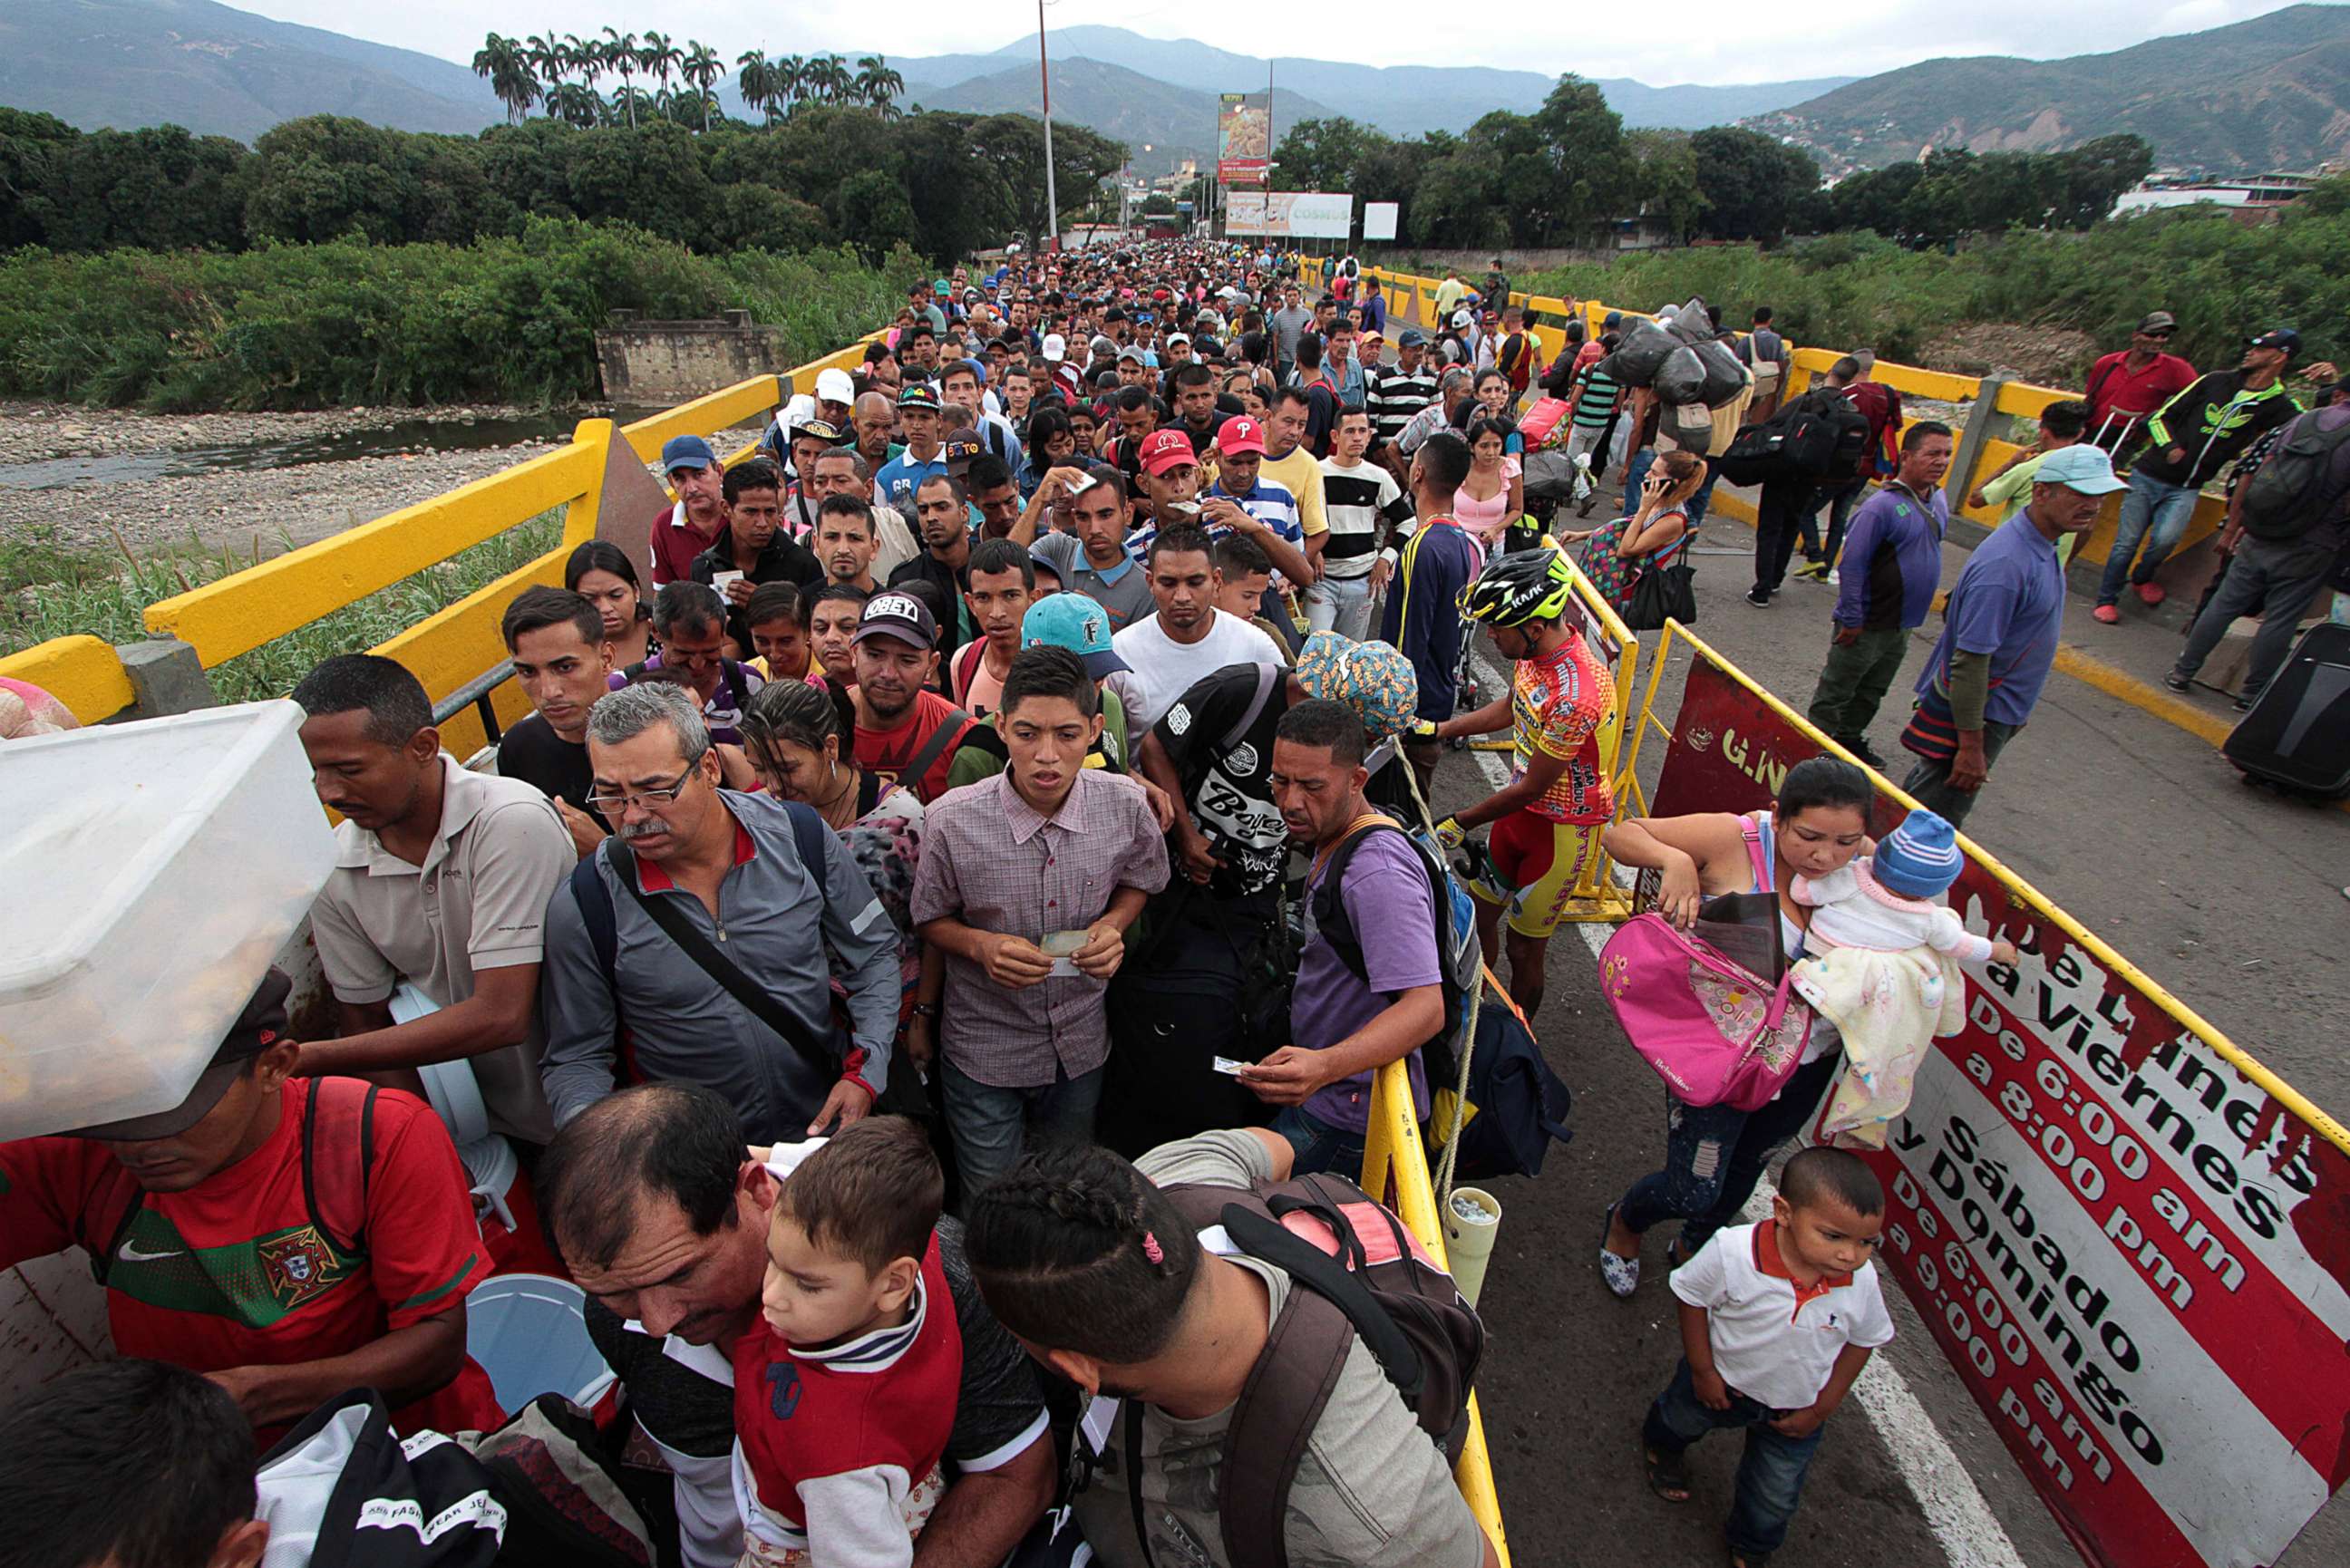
(2150, 594)
(2177, 681)
(2105, 615)
(1813, 571)
(1834, 579)
(1620, 1275)
(1759, 597)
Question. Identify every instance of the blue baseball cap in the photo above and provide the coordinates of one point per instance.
(1076, 622)
(686, 452)
(2082, 467)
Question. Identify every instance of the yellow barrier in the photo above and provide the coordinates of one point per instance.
(1395, 1167)
(82, 672)
(704, 415)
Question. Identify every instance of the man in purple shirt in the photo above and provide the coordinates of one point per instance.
(1892, 563)
(1027, 882)
(1347, 1022)
(1998, 635)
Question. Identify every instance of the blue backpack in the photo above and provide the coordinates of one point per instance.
(1517, 1106)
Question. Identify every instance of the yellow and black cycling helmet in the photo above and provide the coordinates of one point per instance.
(1513, 589)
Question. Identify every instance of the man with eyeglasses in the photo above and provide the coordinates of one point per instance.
(725, 869)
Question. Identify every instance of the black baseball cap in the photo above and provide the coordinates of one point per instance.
(2284, 338)
(261, 1025)
(898, 614)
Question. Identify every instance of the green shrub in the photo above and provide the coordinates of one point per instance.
(346, 322)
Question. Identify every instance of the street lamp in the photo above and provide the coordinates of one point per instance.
(1044, 85)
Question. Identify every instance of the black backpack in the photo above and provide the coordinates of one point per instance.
(2295, 491)
(1817, 434)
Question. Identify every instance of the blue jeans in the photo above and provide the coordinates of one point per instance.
(1714, 1154)
(991, 1125)
(1840, 500)
(2148, 505)
(1342, 605)
(1320, 1147)
(1770, 1474)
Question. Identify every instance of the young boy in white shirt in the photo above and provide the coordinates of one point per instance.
(1777, 1320)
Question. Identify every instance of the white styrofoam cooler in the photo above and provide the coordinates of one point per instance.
(148, 872)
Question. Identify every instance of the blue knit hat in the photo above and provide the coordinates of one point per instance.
(1918, 859)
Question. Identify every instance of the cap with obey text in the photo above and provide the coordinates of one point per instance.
(1239, 436)
(261, 1025)
(1163, 450)
(900, 615)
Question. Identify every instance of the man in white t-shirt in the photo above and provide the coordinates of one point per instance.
(1777, 1320)
(1364, 506)
(1189, 637)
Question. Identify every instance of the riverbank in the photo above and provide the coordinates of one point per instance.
(116, 480)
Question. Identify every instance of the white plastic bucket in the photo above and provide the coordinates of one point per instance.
(1468, 1242)
(529, 1332)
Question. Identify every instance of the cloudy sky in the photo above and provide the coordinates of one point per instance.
(1694, 41)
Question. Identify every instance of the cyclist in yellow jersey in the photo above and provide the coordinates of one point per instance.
(1547, 820)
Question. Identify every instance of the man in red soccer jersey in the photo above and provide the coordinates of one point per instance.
(289, 1237)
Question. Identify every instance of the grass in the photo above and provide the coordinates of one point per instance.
(49, 588)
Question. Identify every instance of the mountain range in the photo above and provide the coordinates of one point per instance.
(2270, 94)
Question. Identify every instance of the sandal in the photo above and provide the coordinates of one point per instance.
(1620, 1275)
(1668, 1475)
(1749, 1558)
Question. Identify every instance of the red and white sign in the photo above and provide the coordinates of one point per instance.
(2133, 1254)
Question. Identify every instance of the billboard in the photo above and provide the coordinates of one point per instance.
(1291, 214)
(1379, 220)
(2132, 1242)
(1244, 138)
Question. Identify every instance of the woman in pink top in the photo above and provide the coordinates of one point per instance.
(1494, 496)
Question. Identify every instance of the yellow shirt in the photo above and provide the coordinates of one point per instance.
(1301, 475)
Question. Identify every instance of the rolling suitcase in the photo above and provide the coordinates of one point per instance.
(2297, 734)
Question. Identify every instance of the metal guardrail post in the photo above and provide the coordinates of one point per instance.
(167, 677)
(1959, 482)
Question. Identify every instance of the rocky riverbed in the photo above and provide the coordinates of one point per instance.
(91, 477)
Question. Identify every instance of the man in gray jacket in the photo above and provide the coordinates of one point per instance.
(727, 868)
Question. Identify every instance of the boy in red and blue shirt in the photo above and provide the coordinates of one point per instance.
(845, 1389)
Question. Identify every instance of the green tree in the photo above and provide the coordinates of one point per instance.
(1750, 182)
(158, 188)
(1589, 180)
(879, 86)
(1318, 154)
(660, 56)
(1157, 204)
(505, 64)
(702, 68)
(575, 103)
(1665, 180)
(28, 142)
(618, 52)
(759, 81)
(2097, 172)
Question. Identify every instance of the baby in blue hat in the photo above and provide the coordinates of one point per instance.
(1881, 964)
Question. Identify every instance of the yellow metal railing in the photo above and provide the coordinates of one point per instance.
(1395, 1168)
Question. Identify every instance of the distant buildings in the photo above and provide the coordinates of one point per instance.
(2253, 199)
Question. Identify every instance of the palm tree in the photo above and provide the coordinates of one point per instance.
(755, 79)
(626, 100)
(583, 56)
(791, 81)
(547, 58)
(702, 68)
(879, 86)
(660, 56)
(830, 79)
(619, 53)
(575, 103)
(507, 69)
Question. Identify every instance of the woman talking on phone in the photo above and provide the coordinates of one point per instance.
(1617, 554)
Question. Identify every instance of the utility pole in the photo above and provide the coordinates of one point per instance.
(1044, 85)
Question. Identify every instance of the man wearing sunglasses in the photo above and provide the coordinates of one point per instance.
(697, 931)
(2127, 385)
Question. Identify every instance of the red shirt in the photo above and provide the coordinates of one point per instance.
(2118, 395)
(234, 1273)
(675, 545)
(886, 752)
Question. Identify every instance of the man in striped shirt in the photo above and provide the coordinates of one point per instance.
(1393, 393)
(1361, 502)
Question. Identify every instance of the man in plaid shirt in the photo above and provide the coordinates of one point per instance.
(1027, 883)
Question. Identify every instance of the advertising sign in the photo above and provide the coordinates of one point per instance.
(1291, 214)
(1244, 138)
(2131, 1247)
(1379, 220)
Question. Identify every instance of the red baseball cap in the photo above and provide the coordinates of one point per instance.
(1163, 450)
(1240, 435)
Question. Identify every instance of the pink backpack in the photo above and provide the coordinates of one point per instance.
(1541, 420)
(1716, 1031)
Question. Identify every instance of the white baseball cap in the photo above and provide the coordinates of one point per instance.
(1055, 347)
(833, 386)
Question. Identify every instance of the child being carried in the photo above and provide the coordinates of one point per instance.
(1880, 963)
(845, 1389)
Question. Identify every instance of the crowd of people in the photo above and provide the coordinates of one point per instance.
(894, 900)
